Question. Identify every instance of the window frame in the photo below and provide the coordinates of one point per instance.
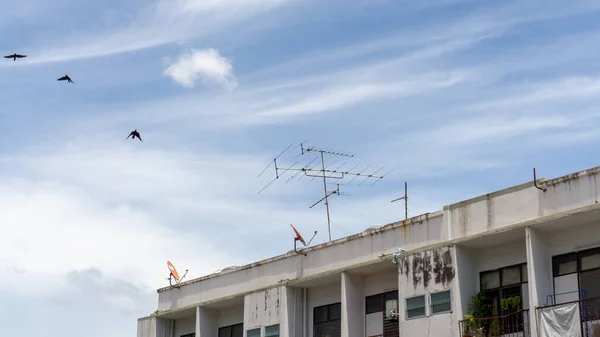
(328, 306)
(192, 334)
(406, 310)
(232, 326)
(271, 326)
(431, 312)
(384, 296)
(521, 266)
(252, 330)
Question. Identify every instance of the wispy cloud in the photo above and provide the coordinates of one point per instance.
(207, 64)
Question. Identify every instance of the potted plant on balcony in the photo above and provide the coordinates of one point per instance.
(477, 308)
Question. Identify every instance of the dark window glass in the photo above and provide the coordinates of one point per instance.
(225, 331)
(237, 330)
(335, 312)
(564, 264)
(320, 314)
(390, 295)
(374, 304)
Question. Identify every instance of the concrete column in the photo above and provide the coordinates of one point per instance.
(353, 306)
(206, 322)
(465, 284)
(292, 312)
(539, 273)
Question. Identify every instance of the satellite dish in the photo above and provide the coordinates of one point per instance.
(173, 274)
(301, 239)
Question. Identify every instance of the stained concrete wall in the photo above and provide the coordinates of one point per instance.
(206, 322)
(467, 280)
(422, 274)
(146, 327)
(263, 308)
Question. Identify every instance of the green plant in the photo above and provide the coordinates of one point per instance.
(478, 307)
(510, 305)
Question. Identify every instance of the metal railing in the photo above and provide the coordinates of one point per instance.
(510, 325)
(589, 313)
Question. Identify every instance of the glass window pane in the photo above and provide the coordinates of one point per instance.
(441, 297)
(415, 303)
(490, 280)
(320, 314)
(237, 330)
(524, 275)
(511, 275)
(564, 264)
(440, 302)
(335, 311)
(590, 261)
(272, 331)
(391, 295)
(253, 333)
(225, 332)
(374, 304)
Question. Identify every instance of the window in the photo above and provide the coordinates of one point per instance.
(376, 303)
(503, 283)
(586, 264)
(440, 302)
(327, 320)
(236, 330)
(272, 331)
(253, 333)
(193, 334)
(415, 307)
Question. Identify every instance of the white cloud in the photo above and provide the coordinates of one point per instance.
(206, 64)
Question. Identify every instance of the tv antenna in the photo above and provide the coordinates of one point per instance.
(173, 274)
(405, 197)
(301, 239)
(325, 172)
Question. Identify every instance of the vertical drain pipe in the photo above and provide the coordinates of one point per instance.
(304, 312)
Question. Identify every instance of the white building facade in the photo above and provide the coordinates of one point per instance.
(515, 250)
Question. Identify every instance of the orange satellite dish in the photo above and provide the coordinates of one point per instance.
(174, 274)
(301, 239)
(173, 270)
(298, 235)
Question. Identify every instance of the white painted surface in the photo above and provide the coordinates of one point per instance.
(539, 269)
(467, 280)
(373, 324)
(146, 327)
(353, 305)
(499, 256)
(230, 316)
(206, 322)
(185, 326)
(566, 284)
(381, 282)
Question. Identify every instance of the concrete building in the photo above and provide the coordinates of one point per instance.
(539, 243)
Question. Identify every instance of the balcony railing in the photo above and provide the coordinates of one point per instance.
(510, 325)
(589, 315)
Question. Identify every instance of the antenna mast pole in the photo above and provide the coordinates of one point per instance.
(405, 197)
(326, 196)
(323, 173)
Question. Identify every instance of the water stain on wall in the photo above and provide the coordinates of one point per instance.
(436, 265)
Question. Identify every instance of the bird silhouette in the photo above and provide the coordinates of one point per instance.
(134, 134)
(66, 77)
(14, 56)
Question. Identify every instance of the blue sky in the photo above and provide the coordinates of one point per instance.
(460, 97)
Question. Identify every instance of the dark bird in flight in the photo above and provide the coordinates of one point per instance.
(14, 56)
(134, 134)
(66, 77)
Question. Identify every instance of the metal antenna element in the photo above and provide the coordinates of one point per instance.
(405, 197)
(324, 173)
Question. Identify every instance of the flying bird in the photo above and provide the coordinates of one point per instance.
(66, 77)
(14, 56)
(134, 134)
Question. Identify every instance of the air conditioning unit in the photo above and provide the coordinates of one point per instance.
(391, 309)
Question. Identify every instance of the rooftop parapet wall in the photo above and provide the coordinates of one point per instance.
(470, 217)
(324, 259)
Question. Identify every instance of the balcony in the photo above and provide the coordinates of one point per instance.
(515, 324)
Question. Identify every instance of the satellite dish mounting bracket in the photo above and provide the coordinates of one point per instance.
(301, 239)
(173, 274)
